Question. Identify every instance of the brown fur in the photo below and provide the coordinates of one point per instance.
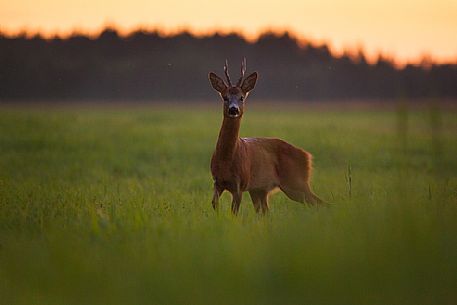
(256, 165)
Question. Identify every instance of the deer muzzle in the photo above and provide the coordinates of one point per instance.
(233, 110)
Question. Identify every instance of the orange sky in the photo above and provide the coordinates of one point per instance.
(404, 29)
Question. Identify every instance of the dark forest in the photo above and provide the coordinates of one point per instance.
(149, 66)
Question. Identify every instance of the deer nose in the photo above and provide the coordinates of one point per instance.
(234, 110)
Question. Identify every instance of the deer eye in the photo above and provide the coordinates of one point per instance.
(241, 98)
(225, 99)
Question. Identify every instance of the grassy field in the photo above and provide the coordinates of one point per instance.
(113, 207)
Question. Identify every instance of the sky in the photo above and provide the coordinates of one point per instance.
(402, 29)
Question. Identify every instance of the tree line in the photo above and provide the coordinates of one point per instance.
(149, 66)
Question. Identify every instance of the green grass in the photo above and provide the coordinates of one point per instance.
(113, 207)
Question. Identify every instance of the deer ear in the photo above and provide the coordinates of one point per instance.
(249, 82)
(217, 82)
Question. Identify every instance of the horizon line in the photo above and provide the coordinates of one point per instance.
(353, 51)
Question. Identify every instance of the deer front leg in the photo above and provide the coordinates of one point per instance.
(216, 195)
(236, 200)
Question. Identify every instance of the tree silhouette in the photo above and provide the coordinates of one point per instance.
(148, 66)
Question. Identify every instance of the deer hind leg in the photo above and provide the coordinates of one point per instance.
(295, 195)
(259, 200)
(294, 183)
(294, 178)
(265, 206)
(236, 202)
(310, 197)
(256, 198)
(302, 194)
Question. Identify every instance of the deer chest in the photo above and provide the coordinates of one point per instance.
(229, 175)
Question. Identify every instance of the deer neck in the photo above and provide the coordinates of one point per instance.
(228, 141)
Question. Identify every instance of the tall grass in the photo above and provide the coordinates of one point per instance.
(113, 207)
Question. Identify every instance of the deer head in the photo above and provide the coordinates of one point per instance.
(234, 96)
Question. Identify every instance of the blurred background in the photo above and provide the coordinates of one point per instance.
(108, 123)
(155, 51)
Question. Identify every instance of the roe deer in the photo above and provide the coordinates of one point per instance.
(256, 165)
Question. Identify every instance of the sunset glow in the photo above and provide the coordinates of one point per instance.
(405, 30)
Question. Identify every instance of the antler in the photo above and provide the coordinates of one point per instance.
(243, 70)
(226, 73)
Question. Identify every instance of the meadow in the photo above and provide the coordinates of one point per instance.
(112, 205)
